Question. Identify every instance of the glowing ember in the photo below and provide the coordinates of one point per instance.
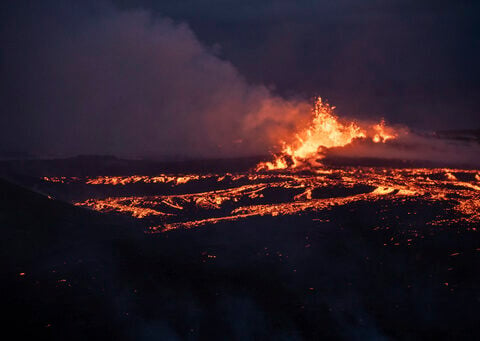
(325, 131)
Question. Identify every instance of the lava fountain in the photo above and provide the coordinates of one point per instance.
(325, 131)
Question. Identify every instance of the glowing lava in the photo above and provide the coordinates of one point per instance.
(325, 131)
(454, 192)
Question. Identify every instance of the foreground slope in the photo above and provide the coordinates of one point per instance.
(346, 273)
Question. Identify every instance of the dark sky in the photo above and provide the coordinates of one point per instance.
(410, 61)
(84, 77)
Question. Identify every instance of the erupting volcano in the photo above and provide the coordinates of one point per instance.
(168, 171)
(294, 183)
(325, 131)
(290, 233)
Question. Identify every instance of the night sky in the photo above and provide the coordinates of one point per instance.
(214, 78)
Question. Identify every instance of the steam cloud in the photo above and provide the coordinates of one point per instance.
(125, 83)
(411, 146)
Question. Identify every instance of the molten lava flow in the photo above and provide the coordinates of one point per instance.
(244, 196)
(326, 131)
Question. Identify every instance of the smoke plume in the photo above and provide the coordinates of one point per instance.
(83, 79)
(126, 83)
(416, 147)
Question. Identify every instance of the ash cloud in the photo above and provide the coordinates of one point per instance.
(125, 83)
